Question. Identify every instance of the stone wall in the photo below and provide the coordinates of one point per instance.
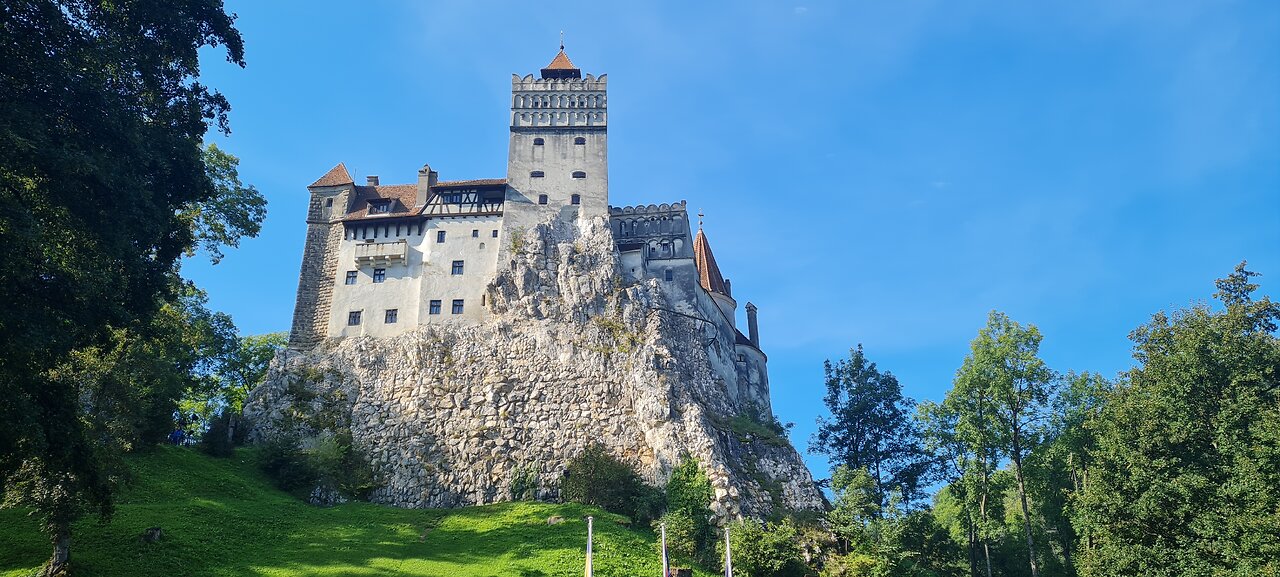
(451, 415)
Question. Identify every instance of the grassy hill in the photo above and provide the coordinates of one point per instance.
(221, 517)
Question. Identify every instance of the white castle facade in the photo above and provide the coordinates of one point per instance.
(382, 260)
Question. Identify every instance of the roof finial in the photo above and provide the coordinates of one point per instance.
(700, 215)
(562, 39)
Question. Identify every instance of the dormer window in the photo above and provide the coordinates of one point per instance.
(580, 140)
(453, 197)
(538, 141)
(537, 174)
(380, 206)
(579, 174)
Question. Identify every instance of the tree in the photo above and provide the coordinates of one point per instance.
(765, 550)
(1004, 367)
(688, 515)
(871, 427)
(1187, 460)
(101, 123)
(962, 431)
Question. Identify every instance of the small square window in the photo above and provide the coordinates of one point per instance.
(579, 174)
(391, 316)
(457, 306)
(579, 140)
(542, 199)
(457, 267)
(353, 318)
(379, 274)
(434, 308)
(537, 174)
(537, 142)
(351, 277)
(439, 236)
(495, 233)
(475, 233)
(575, 199)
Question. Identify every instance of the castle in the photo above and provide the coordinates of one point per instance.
(473, 336)
(381, 260)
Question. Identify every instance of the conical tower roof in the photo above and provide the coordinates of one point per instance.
(708, 272)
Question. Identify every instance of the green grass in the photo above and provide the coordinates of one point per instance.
(222, 517)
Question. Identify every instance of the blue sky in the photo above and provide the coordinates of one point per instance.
(882, 173)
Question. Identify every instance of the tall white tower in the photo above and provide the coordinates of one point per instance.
(558, 163)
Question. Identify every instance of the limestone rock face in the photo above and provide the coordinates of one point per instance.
(454, 415)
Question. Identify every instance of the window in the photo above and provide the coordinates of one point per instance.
(391, 316)
(457, 267)
(434, 308)
(351, 277)
(542, 199)
(457, 306)
(537, 142)
(579, 174)
(475, 233)
(579, 140)
(495, 233)
(379, 206)
(668, 275)
(328, 202)
(379, 274)
(575, 199)
(537, 174)
(353, 318)
(439, 236)
(453, 198)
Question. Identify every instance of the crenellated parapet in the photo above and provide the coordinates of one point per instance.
(664, 228)
(559, 102)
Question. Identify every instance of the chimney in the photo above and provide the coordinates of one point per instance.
(371, 180)
(753, 331)
(728, 288)
(426, 180)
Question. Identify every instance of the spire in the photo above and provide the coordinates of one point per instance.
(561, 66)
(708, 272)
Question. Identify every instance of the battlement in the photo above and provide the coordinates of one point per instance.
(644, 209)
(559, 102)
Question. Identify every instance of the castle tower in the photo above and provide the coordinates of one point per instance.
(558, 161)
(330, 196)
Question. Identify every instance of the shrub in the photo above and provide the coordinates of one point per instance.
(524, 484)
(285, 464)
(328, 461)
(597, 478)
(765, 550)
(216, 440)
(688, 516)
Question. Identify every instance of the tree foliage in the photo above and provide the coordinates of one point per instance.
(1187, 461)
(101, 167)
(597, 478)
(871, 427)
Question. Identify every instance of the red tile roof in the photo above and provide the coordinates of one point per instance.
(561, 62)
(708, 273)
(478, 182)
(336, 176)
(403, 197)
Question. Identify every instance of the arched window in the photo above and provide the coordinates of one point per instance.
(536, 174)
(579, 174)
(579, 140)
(575, 199)
(538, 141)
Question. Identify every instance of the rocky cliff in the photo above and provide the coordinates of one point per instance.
(454, 415)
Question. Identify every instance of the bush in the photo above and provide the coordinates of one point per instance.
(765, 550)
(688, 516)
(329, 462)
(223, 435)
(285, 464)
(597, 478)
